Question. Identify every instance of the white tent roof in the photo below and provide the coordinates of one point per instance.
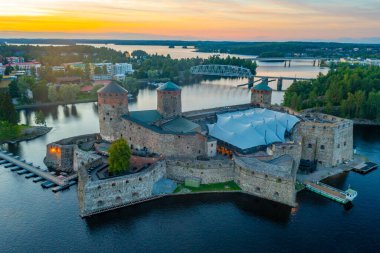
(251, 128)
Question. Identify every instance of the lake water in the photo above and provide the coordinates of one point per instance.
(37, 220)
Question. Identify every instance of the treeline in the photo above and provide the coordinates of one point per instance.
(158, 66)
(278, 49)
(347, 91)
(52, 56)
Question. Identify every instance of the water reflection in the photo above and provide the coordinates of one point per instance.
(171, 206)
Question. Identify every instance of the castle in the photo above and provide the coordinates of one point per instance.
(257, 146)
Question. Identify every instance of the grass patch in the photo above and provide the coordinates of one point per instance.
(299, 186)
(9, 132)
(225, 186)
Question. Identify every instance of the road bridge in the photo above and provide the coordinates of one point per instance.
(235, 71)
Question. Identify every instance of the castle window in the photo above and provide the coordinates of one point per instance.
(113, 184)
(126, 181)
(322, 147)
(276, 194)
(140, 179)
(279, 180)
(338, 146)
(344, 143)
(110, 119)
(100, 203)
(266, 176)
(113, 106)
(309, 145)
(104, 118)
(99, 187)
(257, 189)
(107, 113)
(324, 127)
(212, 144)
(253, 173)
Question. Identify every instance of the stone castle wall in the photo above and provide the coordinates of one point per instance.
(86, 160)
(170, 145)
(328, 143)
(211, 171)
(60, 154)
(98, 195)
(265, 185)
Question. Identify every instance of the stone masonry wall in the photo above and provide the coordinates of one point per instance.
(100, 195)
(86, 160)
(212, 171)
(111, 107)
(328, 143)
(266, 185)
(169, 103)
(170, 145)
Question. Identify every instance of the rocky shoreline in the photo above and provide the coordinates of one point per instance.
(30, 133)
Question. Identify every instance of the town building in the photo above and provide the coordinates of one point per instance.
(14, 59)
(122, 69)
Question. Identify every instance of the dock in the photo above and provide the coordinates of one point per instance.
(364, 168)
(342, 197)
(11, 161)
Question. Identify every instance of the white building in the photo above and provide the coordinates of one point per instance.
(106, 64)
(58, 68)
(122, 69)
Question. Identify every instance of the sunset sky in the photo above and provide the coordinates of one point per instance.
(247, 20)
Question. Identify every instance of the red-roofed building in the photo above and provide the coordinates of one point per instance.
(87, 88)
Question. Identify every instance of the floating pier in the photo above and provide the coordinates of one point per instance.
(30, 175)
(364, 168)
(330, 192)
(47, 184)
(7, 165)
(38, 179)
(15, 168)
(8, 160)
(21, 172)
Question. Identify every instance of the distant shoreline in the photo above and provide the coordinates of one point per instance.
(33, 106)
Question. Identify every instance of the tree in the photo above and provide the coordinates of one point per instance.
(69, 92)
(119, 157)
(139, 54)
(8, 112)
(52, 94)
(13, 89)
(8, 70)
(39, 118)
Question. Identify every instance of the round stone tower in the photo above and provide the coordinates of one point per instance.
(112, 105)
(169, 100)
(261, 93)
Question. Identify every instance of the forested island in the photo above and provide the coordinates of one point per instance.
(350, 91)
(261, 49)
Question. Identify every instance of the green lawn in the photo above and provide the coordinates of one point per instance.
(299, 186)
(10, 132)
(226, 186)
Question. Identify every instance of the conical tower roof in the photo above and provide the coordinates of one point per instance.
(113, 87)
(169, 86)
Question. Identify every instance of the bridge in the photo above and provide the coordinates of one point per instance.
(235, 71)
(317, 61)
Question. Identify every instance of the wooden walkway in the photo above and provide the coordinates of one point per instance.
(37, 171)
